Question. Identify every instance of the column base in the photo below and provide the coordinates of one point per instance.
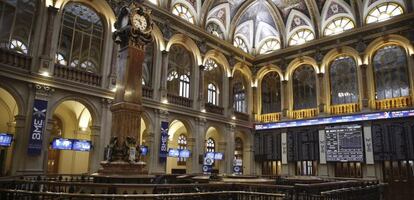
(122, 172)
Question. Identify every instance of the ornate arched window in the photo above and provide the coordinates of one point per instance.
(183, 12)
(384, 12)
(182, 144)
(17, 19)
(215, 30)
(269, 46)
(240, 43)
(301, 37)
(338, 25)
(81, 37)
(344, 81)
(391, 74)
(304, 88)
(184, 86)
(179, 67)
(211, 65)
(210, 145)
(239, 96)
(212, 94)
(271, 98)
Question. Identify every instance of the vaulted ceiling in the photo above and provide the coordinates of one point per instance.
(263, 26)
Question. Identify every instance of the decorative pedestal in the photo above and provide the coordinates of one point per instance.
(122, 172)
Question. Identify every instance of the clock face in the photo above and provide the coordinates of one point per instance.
(139, 22)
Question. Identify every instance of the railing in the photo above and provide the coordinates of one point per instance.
(15, 59)
(73, 74)
(344, 108)
(400, 102)
(241, 116)
(181, 101)
(211, 108)
(301, 114)
(147, 92)
(58, 187)
(234, 195)
(269, 117)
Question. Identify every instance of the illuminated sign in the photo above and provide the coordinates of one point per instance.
(144, 150)
(337, 119)
(6, 139)
(185, 153)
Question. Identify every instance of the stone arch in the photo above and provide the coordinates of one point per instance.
(188, 43)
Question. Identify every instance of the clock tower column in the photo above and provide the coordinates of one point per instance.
(134, 27)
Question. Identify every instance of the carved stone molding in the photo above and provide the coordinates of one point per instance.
(43, 90)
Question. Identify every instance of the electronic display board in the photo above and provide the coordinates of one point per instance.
(62, 144)
(81, 145)
(344, 143)
(6, 139)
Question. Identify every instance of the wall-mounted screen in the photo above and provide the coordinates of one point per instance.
(62, 144)
(173, 153)
(218, 156)
(344, 143)
(185, 153)
(81, 145)
(6, 139)
(144, 150)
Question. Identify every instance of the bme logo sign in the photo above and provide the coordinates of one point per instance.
(38, 125)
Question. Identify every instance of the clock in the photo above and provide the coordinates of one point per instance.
(139, 22)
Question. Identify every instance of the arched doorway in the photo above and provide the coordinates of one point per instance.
(71, 120)
(8, 110)
(178, 140)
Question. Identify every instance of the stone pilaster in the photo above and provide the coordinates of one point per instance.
(202, 87)
(230, 141)
(198, 149)
(365, 92)
(96, 154)
(321, 93)
(158, 166)
(47, 58)
(285, 98)
(164, 75)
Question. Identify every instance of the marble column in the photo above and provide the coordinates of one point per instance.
(321, 96)
(198, 148)
(158, 166)
(97, 152)
(365, 92)
(47, 57)
(20, 147)
(285, 99)
(229, 154)
(164, 75)
(201, 97)
(222, 146)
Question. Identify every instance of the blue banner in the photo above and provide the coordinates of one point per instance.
(164, 140)
(337, 119)
(37, 127)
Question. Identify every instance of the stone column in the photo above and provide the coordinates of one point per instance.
(127, 107)
(249, 168)
(365, 94)
(164, 74)
(230, 109)
(33, 163)
(97, 152)
(255, 103)
(229, 154)
(20, 147)
(47, 57)
(157, 165)
(202, 87)
(222, 146)
(285, 99)
(321, 95)
(198, 146)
